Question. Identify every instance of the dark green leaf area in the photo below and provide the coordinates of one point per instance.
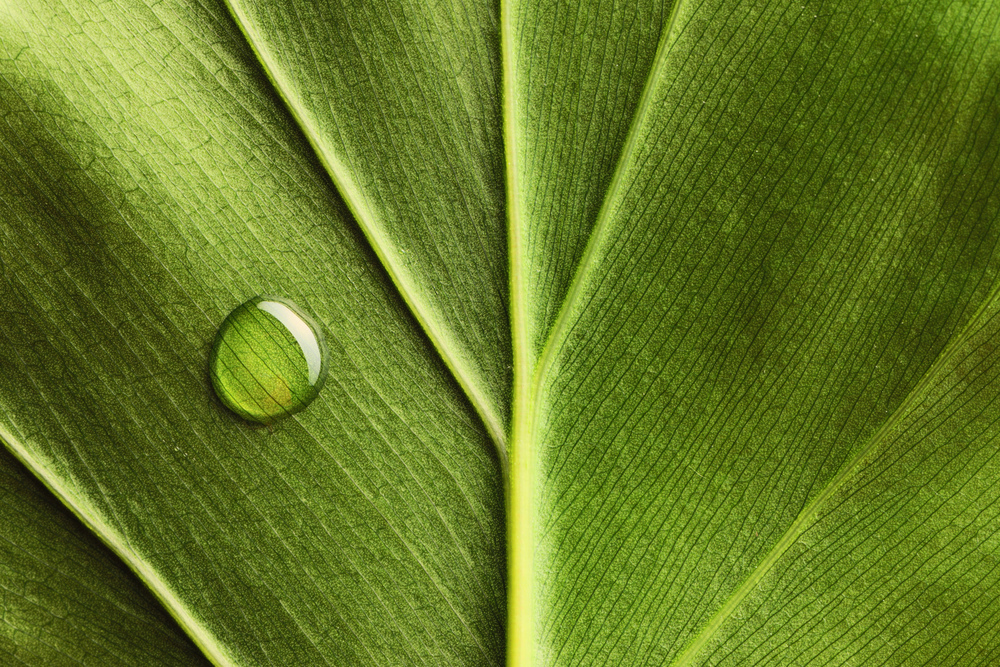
(65, 599)
(808, 222)
(900, 566)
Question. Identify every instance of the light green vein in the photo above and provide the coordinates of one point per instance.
(520, 534)
(599, 231)
(528, 381)
(212, 648)
(838, 482)
(339, 174)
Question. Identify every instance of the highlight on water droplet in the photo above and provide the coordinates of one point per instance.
(268, 360)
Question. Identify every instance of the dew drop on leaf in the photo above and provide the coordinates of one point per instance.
(268, 360)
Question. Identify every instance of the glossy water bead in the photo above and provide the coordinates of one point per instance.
(268, 360)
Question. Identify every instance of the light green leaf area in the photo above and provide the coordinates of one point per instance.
(719, 277)
(152, 182)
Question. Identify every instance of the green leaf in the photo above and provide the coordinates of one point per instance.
(147, 190)
(719, 277)
(64, 597)
(721, 450)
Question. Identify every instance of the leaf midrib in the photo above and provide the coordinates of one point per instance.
(529, 379)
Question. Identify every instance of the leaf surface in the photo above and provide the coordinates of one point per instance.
(64, 598)
(801, 227)
(720, 277)
(399, 101)
(149, 188)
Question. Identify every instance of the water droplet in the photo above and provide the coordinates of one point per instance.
(268, 360)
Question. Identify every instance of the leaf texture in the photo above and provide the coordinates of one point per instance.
(64, 598)
(805, 222)
(399, 102)
(148, 190)
(720, 277)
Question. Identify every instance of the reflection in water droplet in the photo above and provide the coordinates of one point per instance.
(268, 360)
